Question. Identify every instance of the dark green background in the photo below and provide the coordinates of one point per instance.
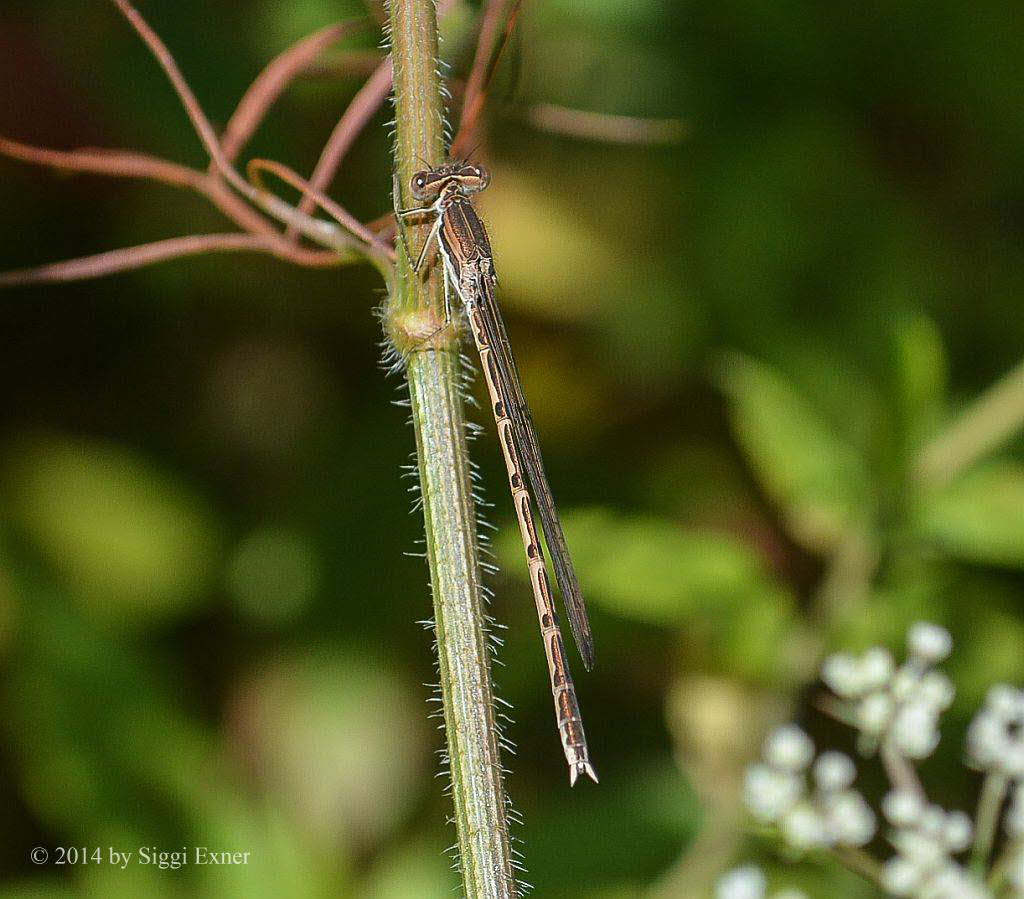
(735, 346)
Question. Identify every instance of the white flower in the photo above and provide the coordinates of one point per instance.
(985, 739)
(803, 827)
(876, 667)
(834, 771)
(900, 876)
(929, 643)
(770, 793)
(789, 748)
(741, 883)
(926, 852)
(1003, 701)
(995, 738)
(850, 819)
(914, 732)
(932, 822)
(957, 831)
(842, 674)
(936, 690)
(873, 713)
(905, 683)
(902, 808)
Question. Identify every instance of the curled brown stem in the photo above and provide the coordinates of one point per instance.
(262, 235)
(130, 164)
(488, 50)
(118, 163)
(349, 64)
(602, 126)
(320, 231)
(292, 178)
(271, 82)
(364, 104)
(195, 112)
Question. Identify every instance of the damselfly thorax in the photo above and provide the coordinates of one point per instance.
(469, 271)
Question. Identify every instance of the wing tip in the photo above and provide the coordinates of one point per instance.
(586, 648)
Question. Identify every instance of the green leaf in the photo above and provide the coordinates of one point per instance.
(980, 517)
(755, 640)
(131, 543)
(921, 373)
(651, 570)
(818, 480)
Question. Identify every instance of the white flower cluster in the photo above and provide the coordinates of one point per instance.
(995, 740)
(900, 706)
(749, 882)
(776, 792)
(897, 708)
(925, 838)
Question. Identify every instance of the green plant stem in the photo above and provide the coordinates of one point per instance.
(988, 422)
(414, 321)
(901, 773)
(858, 861)
(1001, 868)
(993, 792)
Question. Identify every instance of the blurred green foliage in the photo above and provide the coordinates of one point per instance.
(737, 347)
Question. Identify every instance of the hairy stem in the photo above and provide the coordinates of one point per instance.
(414, 319)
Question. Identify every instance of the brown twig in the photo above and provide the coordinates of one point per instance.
(361, 63)
(277, 207)
(271, 82)
(262, 235)
(602, 126)
(200, 122)
(384, 225)
(292, 178)
(364, 104)
(484, 63)
(117, 163)
(130, 258)
(130, 164)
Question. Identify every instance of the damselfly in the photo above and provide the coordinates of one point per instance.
(469, 270)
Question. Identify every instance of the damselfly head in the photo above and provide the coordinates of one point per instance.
(464, 177)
